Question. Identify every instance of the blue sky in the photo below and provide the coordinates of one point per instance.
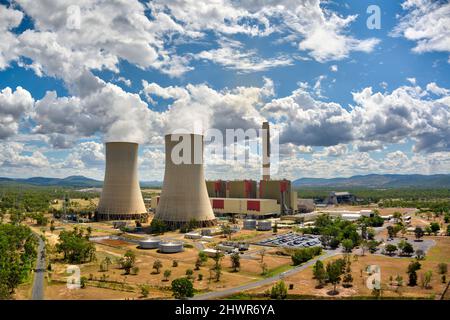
(346, 99)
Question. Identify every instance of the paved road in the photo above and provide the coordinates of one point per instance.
(231, 291)
(38, 285)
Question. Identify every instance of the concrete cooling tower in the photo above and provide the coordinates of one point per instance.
(121, 197)
(184, 194)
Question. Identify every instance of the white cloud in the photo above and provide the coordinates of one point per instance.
(13, 107)
(125, 81)
(231, 55)
(376, 119)
(85, 155)
(333, 151)
(426, 23)
(9, 18)
(334, 68)
(318, 86)
(199, 107)
(118, 115)
(411, 80)
(434, 88)
(12, 155)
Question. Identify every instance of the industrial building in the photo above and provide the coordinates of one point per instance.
(340, 198)
(242, 189)
(184, 195)
(217, 189)
(121, 197)
(245, 206)
(282, 191)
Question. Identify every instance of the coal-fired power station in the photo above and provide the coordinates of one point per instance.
(184, 195)
(121, 197)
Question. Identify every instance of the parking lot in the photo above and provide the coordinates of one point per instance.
(292, 240)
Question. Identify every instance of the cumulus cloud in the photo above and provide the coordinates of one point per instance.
(310, 122)
(376, 119)
(333, 151)
(197, 108)
(118, 115)
(12, 155)
(85, 155)
(9, 18)
(434, 88)
(426, 22)
(13, 106)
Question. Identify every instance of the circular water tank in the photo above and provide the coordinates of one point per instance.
(264, 225)
(249, 224)
(171, 246)
(151, 243)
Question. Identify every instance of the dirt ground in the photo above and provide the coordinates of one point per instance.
(114, 249)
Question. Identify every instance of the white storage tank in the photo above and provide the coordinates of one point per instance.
(264, 225)
(211, 252)
(171, 246)
(152, 243)
(249, 224)
(192, 235)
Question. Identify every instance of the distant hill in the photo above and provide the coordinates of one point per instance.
(379, 181)
(361, 181)
(72, 181)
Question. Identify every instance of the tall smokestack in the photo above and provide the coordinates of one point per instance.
(184, 195)
(121, 196)
(265, 151)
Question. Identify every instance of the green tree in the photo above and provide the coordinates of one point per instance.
(434, 226)
(157, 265)
(427, 279)
(390, 230)
(406, 248)
(334, 273)
(319, 273)
(442, 270)
(174, 263)
(302, 255)
(189, 273)
(390, 249)
(347, 244)
(217, 269)
(167, 274)
(226, 230)
(235, 261)
(364, 245)
(127, 261)
(203, 257)
(145, 290)
(75, 247)
(83, 282)
(419, 233)
(158, 226)
(279, 291)
(370, 233)
(412, 272)
(198, 264)
(182, 288)
(106, 263)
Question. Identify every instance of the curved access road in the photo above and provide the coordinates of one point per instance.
(38, 284)
(259, 283)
